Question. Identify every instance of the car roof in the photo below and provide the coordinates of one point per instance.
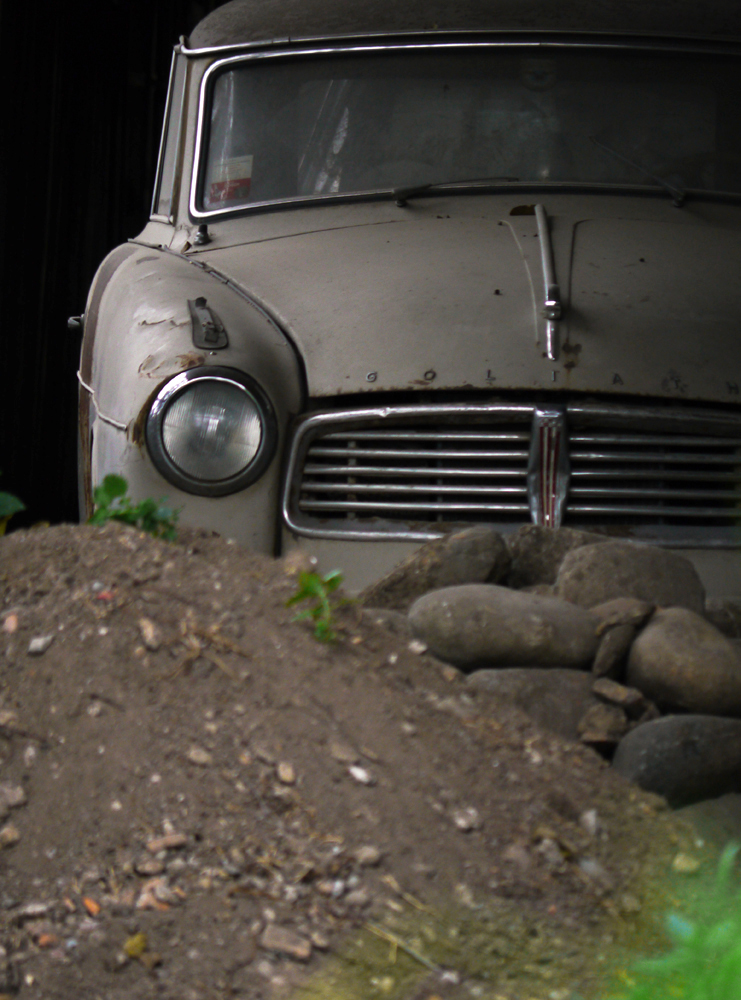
(242, 22)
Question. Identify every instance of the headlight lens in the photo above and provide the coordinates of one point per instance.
(211, 431)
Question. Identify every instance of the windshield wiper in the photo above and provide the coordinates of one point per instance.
(678, 195)
(401, 195)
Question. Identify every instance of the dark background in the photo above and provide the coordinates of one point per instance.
(84, 90)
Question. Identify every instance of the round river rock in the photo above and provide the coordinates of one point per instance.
(680, 660)
(594, 574)
(482, 625)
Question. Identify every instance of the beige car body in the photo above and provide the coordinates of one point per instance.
(383, 322)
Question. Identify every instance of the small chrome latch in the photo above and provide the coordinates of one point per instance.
(75, 324)
(208, 330)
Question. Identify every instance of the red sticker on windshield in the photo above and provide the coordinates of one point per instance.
(232, 180)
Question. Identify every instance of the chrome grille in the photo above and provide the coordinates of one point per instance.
(665, 474)
(657, 478)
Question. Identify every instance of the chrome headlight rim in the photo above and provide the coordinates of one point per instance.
(175, 387)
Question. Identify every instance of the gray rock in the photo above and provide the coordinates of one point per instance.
(538, 552)
(554, 698)
(629, 699)
(685, 758)
(622, 611)
(725, 615)
(482, 625)
(681, 661)
(613, 650)
(395, 621)
(593, 574)
(470, 556)
(603, 726)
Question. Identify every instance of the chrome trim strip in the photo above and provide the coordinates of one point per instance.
(552, 309)
(548, 467)
(421, 453)
(444, 508)
(277, 49)
(161, 153)
(535, 38)
(410, 472)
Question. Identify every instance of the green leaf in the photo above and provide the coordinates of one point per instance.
(10, 505)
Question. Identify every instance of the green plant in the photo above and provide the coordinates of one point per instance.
(9, 505)
(112, 504)
(705, 963)
(312, 586)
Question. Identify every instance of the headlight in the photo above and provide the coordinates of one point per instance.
(211, 431)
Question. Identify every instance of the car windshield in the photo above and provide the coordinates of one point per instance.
(317, 126)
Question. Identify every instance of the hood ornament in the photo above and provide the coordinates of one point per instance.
(548, 467)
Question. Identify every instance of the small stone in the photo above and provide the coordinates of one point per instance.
(286, 773)
(31, 911)
(629, 699)
(417, 647)
(136, 945)
(150, 633)
(622, 611)
(265, 752)
(361, 775)
(451, 674)
(10, 625)
(319, 940)
(464, 895)
(467, 819)
(358, 898)
(343, 752)
(685, 864)
(169, 842)
(612, 651)
(603, 725)
(197, 755)
(39, 644)
(11, 797)
(368, 856)
(149, 867)
(629, 903)
(596, 871)
(285, 942)
(589, 821)
(9, 835)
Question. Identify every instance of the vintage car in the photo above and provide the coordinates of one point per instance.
(415, 266)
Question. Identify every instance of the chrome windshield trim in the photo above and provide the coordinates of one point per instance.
(433, 38)
(285, 49)
(288, 49)
(163, 137)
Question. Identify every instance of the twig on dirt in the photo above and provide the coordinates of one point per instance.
(9, 731)
(398, 943)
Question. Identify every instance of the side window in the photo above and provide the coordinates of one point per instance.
(165, 188)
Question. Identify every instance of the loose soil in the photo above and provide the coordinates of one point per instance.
(215, 805)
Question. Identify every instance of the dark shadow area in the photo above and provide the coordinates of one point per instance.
(84, 89)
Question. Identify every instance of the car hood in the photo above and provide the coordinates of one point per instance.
(442, 297)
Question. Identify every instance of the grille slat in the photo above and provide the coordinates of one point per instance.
(315, 469)
(420, 453)
(392, 470)
(343, 505)
(359, 488)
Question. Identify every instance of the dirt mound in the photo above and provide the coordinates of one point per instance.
(202, 801)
